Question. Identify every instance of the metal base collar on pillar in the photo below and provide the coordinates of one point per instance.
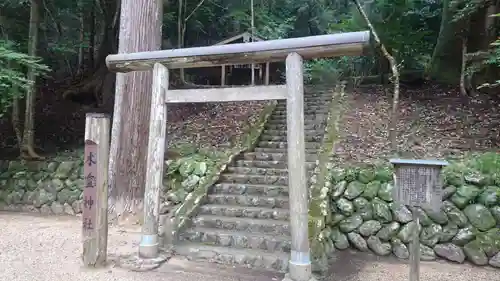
(149, 257)
(149, 246)
(299, 267)
(288, 278)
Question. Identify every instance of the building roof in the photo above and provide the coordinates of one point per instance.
(246, 38)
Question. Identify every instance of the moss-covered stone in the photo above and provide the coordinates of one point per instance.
(449, 191)
(449, 231)
(371, 190)
(495, 212)
(430, 235)
(475, 253)
(406, 232)
(364, 208)
(351, 174)
(399, 249)
(489, 241)
(384, 174)
(351, 223)
(378, 247)
(337, 174)
(339, 239)
(339, 189)
(336, 218)
(381, 210)
(357, 241)
(388, 231)
(366, 175)
(454, 214)
(480, 217)
(385, 192)
(369, 228)
(345, 206)
(423, 218)
(465, 195)
(353, 190)
(400, 213)
(490, 196)
(464, 235)
(437, 216)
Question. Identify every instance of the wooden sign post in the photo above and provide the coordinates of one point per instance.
(417, 183)
(95, 190)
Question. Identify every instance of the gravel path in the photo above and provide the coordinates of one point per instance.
(48, 248)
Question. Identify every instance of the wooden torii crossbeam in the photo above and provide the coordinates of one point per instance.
(322, 46)
(292, 51)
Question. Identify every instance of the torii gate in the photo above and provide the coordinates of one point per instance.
(292, 50)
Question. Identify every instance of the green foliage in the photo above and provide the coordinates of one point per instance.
(492, 59)
(13, 80)
(409, 29)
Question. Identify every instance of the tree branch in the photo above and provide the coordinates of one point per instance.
(193, 11)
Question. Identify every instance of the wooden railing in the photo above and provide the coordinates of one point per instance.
(293, 51)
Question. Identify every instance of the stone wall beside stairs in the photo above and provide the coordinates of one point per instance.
(363, 216)
(319, 201)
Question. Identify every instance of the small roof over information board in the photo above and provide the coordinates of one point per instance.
(418, 162)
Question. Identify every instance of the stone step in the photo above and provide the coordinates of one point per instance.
(316, 99)
(259, 155)
(277, 261)
(277, 144)
(312, 116)
(282, 126)
(252, 219)
(250, 189)
(308, 104)
(248, 200)
(238, 239)
(250, 171)
(279, 178)
(269, 164)
(283, 150)
(253, 179)
(318, 138)
(308, 121)
(282, 132)
(307, 111)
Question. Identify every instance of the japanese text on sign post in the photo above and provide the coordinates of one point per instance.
(89, 188)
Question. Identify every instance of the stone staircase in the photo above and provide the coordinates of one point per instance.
(245, 220)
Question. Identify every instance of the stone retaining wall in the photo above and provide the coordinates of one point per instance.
(363, 216)
(45, 187)
(55, 187)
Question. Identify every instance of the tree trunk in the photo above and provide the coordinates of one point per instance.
(140, 30)
(395, 77)
(181, 28)
(92, 36)
(27, 146)
(101, 82)
(463, 89)
(180, 36)
(80, 67)
(444, 65)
